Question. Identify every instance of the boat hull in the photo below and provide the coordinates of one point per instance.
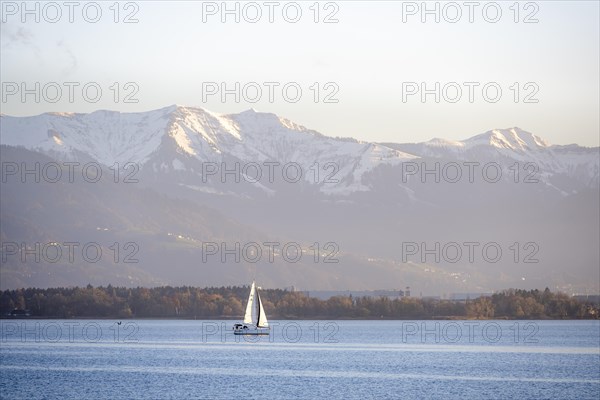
(250, 330)
(255, 333)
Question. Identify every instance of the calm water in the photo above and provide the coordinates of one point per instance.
(305, 359)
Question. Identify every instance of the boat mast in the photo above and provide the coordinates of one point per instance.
(257, 309)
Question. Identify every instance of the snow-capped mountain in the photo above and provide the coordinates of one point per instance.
(367, 198)
(197, 135)
(516, 145)
(179, 138)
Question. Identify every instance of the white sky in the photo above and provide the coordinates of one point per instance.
(368, 54)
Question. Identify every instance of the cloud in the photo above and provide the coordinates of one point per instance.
(18, 38)
(21, 40)
(72, 60)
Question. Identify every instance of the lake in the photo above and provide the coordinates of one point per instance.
(174, 359)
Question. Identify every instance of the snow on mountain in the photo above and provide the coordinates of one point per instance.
(514, 145)
(514, 139)
(111, 137)
(105, 136)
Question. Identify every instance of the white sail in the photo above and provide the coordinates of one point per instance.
(262, 321)
(255, 319)
(251, 311)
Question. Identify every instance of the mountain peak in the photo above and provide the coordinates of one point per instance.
(440, 142)
(251, 110)
(511, 138)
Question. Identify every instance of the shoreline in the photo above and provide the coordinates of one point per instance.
(229, 318)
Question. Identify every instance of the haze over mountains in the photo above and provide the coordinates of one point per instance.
(187, 176)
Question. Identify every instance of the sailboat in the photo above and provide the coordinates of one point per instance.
(255, 320)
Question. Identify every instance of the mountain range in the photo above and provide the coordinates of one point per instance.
(166, 185)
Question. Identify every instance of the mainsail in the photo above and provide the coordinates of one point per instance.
(255, 313)
(251, 313)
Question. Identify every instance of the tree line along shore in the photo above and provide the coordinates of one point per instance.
(228, 302)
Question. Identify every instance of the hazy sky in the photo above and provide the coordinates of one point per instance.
(375, 57)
